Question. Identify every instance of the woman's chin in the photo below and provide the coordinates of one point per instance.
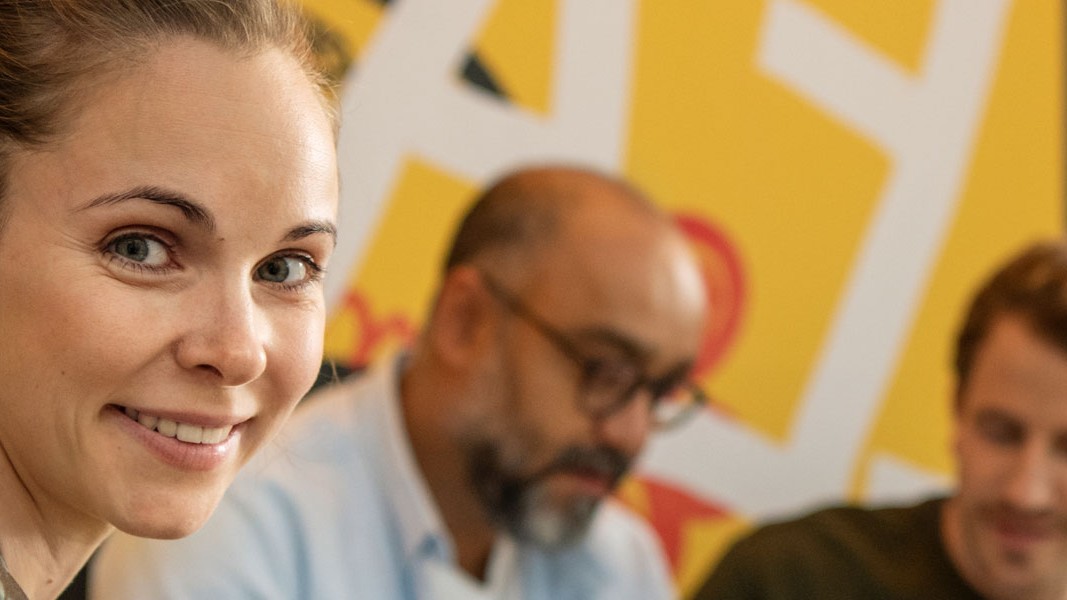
(169, 519)
(164, 530)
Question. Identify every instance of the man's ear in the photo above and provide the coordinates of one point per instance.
(463, 317)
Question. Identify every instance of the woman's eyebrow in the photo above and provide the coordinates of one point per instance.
(193, 211)
(198, 213)
(308, 228)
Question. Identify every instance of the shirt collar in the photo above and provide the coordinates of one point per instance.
(422, 530)
(420, 525)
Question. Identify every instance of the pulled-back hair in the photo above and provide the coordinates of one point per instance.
(1031, 286)
(51, 50)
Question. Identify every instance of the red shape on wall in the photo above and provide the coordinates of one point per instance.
(724, 278)
(374, 332)
(671, 509)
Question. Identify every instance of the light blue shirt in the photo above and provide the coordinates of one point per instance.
(337, 508)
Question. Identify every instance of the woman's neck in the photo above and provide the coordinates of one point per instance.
(43, 542)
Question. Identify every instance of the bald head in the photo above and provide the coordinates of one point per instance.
(525, 212)
(568, 306)
(590, 244)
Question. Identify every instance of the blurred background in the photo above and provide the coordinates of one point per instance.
(846, 171)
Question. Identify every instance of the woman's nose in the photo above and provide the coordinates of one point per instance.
(225, 335)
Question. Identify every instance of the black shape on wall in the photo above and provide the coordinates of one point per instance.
(475, 73)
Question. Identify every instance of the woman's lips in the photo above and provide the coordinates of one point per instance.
(204, 448)
(186, 432)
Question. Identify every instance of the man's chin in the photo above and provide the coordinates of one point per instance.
(554, 525)
(1019, 566)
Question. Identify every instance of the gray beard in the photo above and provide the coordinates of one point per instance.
(522, 505)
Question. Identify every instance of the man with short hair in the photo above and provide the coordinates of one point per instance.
(480, 464)
(1003, 533)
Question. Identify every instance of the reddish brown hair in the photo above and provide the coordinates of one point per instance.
(1032, 285)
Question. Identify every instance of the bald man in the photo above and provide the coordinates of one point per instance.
(479, 464)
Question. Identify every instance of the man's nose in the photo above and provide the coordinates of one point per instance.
(1032, 484)
(627, 428)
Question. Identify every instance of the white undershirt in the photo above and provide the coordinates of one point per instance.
(446, 582)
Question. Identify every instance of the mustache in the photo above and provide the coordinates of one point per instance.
(1032, 520)
(510, 497)
(599, 461)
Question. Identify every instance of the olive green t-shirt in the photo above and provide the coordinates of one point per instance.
(839, 553)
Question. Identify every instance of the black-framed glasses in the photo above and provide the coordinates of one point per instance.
(608, 385)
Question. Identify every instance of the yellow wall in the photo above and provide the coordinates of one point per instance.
(835, 155)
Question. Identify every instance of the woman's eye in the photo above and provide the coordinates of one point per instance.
(290, 270)
(141, 249)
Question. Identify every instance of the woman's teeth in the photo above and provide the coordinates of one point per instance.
(193, 434)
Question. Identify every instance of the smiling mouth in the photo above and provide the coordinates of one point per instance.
(183, 432)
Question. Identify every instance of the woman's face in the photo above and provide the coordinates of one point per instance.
(161, 304)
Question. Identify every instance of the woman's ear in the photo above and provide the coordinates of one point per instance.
(463, 317)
